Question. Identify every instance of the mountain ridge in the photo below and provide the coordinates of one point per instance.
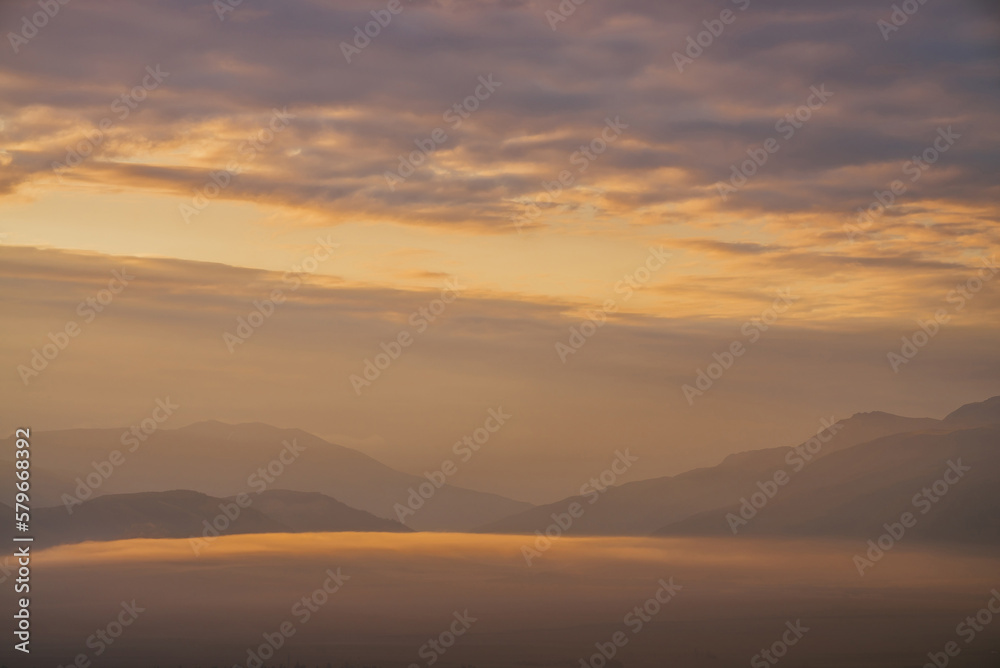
(649, 506)
(338, 488)
(221, 460)
(189, 514)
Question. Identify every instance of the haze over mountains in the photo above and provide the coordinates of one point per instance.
(223, 460)
(866, 474)
(855, 492)
(854, 476)
(187, 514)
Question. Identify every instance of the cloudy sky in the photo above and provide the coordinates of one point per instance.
(670, 170)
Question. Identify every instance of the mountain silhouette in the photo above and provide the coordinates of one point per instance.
(183, 514)
(850, 480)
(865, 474)
(223, 460)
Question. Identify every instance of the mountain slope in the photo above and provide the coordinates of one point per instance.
(183, 514)
(224, 460)
(175, 514)
(981, 414)
(648, 506)
(310, 511)
(854, 492)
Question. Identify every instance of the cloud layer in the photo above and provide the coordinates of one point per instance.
(539, 160)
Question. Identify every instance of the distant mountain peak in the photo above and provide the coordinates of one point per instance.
(878, 416)
(874, 414)
(230, 460)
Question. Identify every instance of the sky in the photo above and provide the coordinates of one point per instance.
(569, 215)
